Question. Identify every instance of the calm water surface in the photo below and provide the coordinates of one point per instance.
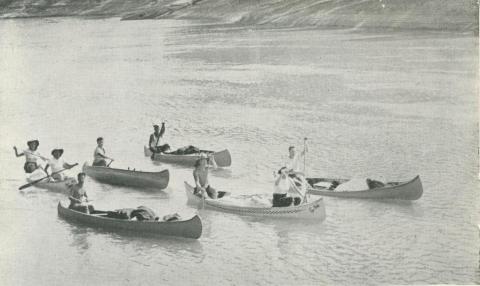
(388, 106)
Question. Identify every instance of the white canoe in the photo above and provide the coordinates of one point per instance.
(312, 210)
(129, 178)
(56, 186)
(410, 190)
(222, 158)
(191, 228)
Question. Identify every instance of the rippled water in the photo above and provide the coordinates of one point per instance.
(388, 106)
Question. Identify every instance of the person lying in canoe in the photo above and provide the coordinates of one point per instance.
(200, 175)
(57, 164)
(31, 156)
(154, 141)
(78, 197)
(99, 158)
(282, 193)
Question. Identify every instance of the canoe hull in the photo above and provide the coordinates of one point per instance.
(314, 210)
(129, 178)
(410, 190)
(222, 158)
(57, 187)
(191, 228)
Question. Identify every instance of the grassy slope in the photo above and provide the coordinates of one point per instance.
(458, 15)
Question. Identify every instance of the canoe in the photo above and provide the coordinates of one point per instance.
(57, 186)
(191, 228)
(129, 178)
(222, 158)
(311, 210)
(410, 190)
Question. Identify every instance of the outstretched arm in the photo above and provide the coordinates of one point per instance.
(162, 130)
(16, 152)
(68, 166)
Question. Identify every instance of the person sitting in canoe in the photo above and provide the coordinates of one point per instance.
(154, 140)
(57, 164)
(99, 154)
(200, 175)
(282, 187)
(78, 197)
(31, 156)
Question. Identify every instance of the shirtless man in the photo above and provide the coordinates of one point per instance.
(78, 197)
(200, 175)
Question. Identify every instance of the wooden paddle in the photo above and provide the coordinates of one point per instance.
(305, 150)
(111, 161)
(36, 181)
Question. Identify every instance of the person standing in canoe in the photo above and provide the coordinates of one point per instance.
(282, 187)
(78, 196)
(154, 140)
(200, 175)
(57, 164)
(293, 164)
(31, 156)
(99, 158)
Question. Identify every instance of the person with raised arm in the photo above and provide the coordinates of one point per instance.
(31, 156)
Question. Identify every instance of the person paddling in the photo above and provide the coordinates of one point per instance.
(200, 175)
(57, 164)
(31, 156)
(78, 197)
(154, 141)
(282, 187)
(294, 167)
(99, 154)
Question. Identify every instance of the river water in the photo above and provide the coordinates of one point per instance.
(384, 105)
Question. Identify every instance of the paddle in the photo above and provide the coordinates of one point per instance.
(29, 153)
(81, 202)
(292, 182)
(111, 161)
(36, 181)
(305, 150)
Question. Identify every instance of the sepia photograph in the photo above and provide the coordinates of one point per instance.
(239, 142)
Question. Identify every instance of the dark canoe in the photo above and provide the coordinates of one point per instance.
(191, 228)
(313, 210)
(129, 178)
(410, 190)
(222, 158)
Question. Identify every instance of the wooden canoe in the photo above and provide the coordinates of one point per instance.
(56, 186)
(410, 190)
(312, 210)
(191, 228)
(129, 178)
(222, 158)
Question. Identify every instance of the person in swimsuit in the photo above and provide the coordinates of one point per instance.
(200, 175)
(31, 156)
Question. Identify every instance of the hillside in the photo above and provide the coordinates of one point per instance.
(461, 15)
